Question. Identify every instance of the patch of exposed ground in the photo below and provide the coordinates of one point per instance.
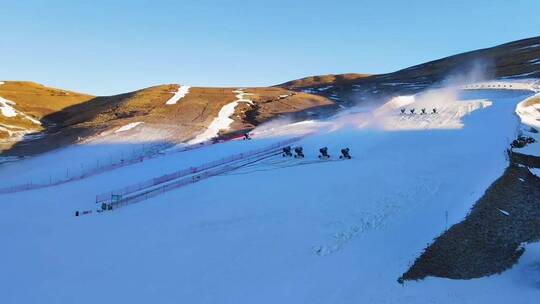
(489, 240)
(271, 103)
(276, 102)
(94, 117)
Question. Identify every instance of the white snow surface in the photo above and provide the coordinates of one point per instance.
(504, 212)
(450, 114)
(533, 148)
(6, 108)
(506, 84)
(182, 91)
(223, 120)
(530, 115)
(325, 88)
(128, 127)
(279, 231)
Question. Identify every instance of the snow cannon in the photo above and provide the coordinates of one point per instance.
(345, 154)
(324, 153)
(299, 152)
(434, 111)
(423, 111)
(402, 111)
(412, 111)
(287, 151)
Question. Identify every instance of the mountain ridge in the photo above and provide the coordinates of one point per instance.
(45, 118)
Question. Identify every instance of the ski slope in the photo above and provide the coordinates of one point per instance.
(282, 230)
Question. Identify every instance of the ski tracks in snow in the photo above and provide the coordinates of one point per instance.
(361, 222)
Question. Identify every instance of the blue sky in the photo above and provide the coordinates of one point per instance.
(108, 47)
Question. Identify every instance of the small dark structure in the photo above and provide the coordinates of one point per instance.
(412, 111)
(246, 136)
(324, 153)
(423, 111)
(522, 141)
(434, 111)
(403, 111)
(287, 152)
(345, 154)
(299, 152)
(76, 213)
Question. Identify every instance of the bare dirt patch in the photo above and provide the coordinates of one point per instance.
(489, 240)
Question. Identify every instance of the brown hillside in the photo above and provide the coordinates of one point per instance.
(518, 59)
(32, 102)
(68, 117)
(177, 123)
(323, 80)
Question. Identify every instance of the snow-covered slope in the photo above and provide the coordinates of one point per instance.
(182, 91)
(282, 230)
(529, 111)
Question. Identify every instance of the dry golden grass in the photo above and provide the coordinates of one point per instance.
(92, 116)
(322, 80)
(38, 100)
(532, 101)
(272, 101)
(184, 120)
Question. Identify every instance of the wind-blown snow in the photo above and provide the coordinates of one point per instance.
(223, 120)
(279, 231)
(128, 127)
(182, 91)
(450, 114)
